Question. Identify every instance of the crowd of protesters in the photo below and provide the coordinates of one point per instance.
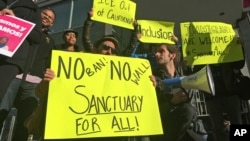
(28, 69)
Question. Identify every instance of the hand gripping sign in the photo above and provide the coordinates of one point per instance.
(96, 95)
(13, 32)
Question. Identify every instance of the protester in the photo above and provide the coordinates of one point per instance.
(36, 123)
(70, 41)
(136, 49)
(107, 45)
(225, 100)
(174, 103)
(24, 89)
(11, 66)
(19, 62)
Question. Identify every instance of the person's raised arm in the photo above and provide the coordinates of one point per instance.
(86, 41)
(134, 40)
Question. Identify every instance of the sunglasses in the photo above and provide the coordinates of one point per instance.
(107, 47)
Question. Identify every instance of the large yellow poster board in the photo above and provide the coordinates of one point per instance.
(156, 31)
(115, 12)
(209, 43)
(97, 95)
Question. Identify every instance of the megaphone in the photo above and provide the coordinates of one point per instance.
(201, 80)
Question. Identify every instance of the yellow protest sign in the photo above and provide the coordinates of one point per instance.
(97, 95)
(209, 43)
(115, 12)
(156, 31)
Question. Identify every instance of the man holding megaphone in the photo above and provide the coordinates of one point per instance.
(176, 110)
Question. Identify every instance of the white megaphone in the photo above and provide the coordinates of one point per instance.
(201, 80)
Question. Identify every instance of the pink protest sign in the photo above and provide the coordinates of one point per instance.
(13, 32)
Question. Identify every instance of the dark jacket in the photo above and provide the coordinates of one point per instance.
(134, 47)
(176, 119)
(43, 55)
(27, 10)
(165, 94)
(87, 43)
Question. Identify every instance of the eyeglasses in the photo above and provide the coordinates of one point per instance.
(107, 47)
